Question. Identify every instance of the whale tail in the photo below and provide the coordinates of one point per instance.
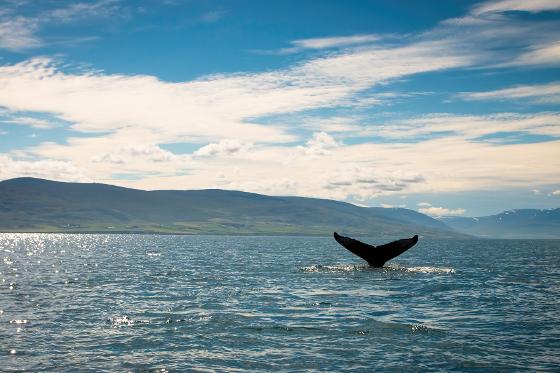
(376, 256)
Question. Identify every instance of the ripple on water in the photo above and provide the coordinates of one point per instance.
(143, 302)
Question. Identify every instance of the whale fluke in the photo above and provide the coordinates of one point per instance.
(376, 256)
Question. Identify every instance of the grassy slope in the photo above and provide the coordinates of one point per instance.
(37, 205)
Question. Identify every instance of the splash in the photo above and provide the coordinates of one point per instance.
(422, 269)
(334, 268)
(18, 321)
(119, 321)
(358, 268)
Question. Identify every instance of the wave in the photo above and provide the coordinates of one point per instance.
(363, 267)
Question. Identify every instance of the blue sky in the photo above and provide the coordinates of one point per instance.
(448, 108)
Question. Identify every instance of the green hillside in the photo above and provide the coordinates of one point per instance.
(36, 205)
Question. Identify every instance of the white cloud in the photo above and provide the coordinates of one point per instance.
(334, 42)
(363, 171)
(128, 153)
(151, 152)
(117, 110)
(51, 169)
(441, 211)
(363, 181)
(368, 66)
(533, 6)
(389, 206)
(172, 112)
(424, 204)
(337, 124)
(224, 147)
(145, 110)
(542, 54)
(19, 33)
(222, 107)
(281, 186)
(80, 11)
(555, 193)
(29, 121)
(471, 126)
(320, 144)
(539, 93)
(325, 43)
(109, 158)
(498, 39)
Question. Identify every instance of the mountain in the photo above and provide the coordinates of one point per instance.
(525, 223)
(37, 205)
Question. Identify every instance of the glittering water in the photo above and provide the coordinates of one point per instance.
(176, 303)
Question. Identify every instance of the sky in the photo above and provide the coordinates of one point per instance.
(450, 108)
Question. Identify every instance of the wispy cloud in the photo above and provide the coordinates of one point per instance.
(332, 124)
(225, 147)
(320, 144)
(20, 33)
(217, 107)
(539, 93)
(441, 211)
(533, 6)
(81, 10)
(389, 206)
(470, 127)
(334, 42)
(538, 55)
(501, 39)
(128, 153)
(32, 122)
(364, 179)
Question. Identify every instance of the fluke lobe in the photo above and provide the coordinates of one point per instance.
(376, 256)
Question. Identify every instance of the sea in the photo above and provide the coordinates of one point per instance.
(166, 303)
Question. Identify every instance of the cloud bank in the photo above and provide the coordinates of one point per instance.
(120, 123)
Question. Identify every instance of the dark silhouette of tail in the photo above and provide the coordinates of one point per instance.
(376, 256)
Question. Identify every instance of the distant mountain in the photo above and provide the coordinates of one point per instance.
(524, 223)
(36, 205)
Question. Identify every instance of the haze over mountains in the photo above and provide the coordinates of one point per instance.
(522, 223)
(37, 205)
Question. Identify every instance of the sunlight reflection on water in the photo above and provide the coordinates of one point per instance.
(135, 302)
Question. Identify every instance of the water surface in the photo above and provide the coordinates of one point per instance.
(204, 303)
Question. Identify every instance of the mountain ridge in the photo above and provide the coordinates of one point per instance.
(513, 223)
(32, 204)
(39, 205)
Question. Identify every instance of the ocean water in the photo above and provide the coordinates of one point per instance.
(204, 303)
